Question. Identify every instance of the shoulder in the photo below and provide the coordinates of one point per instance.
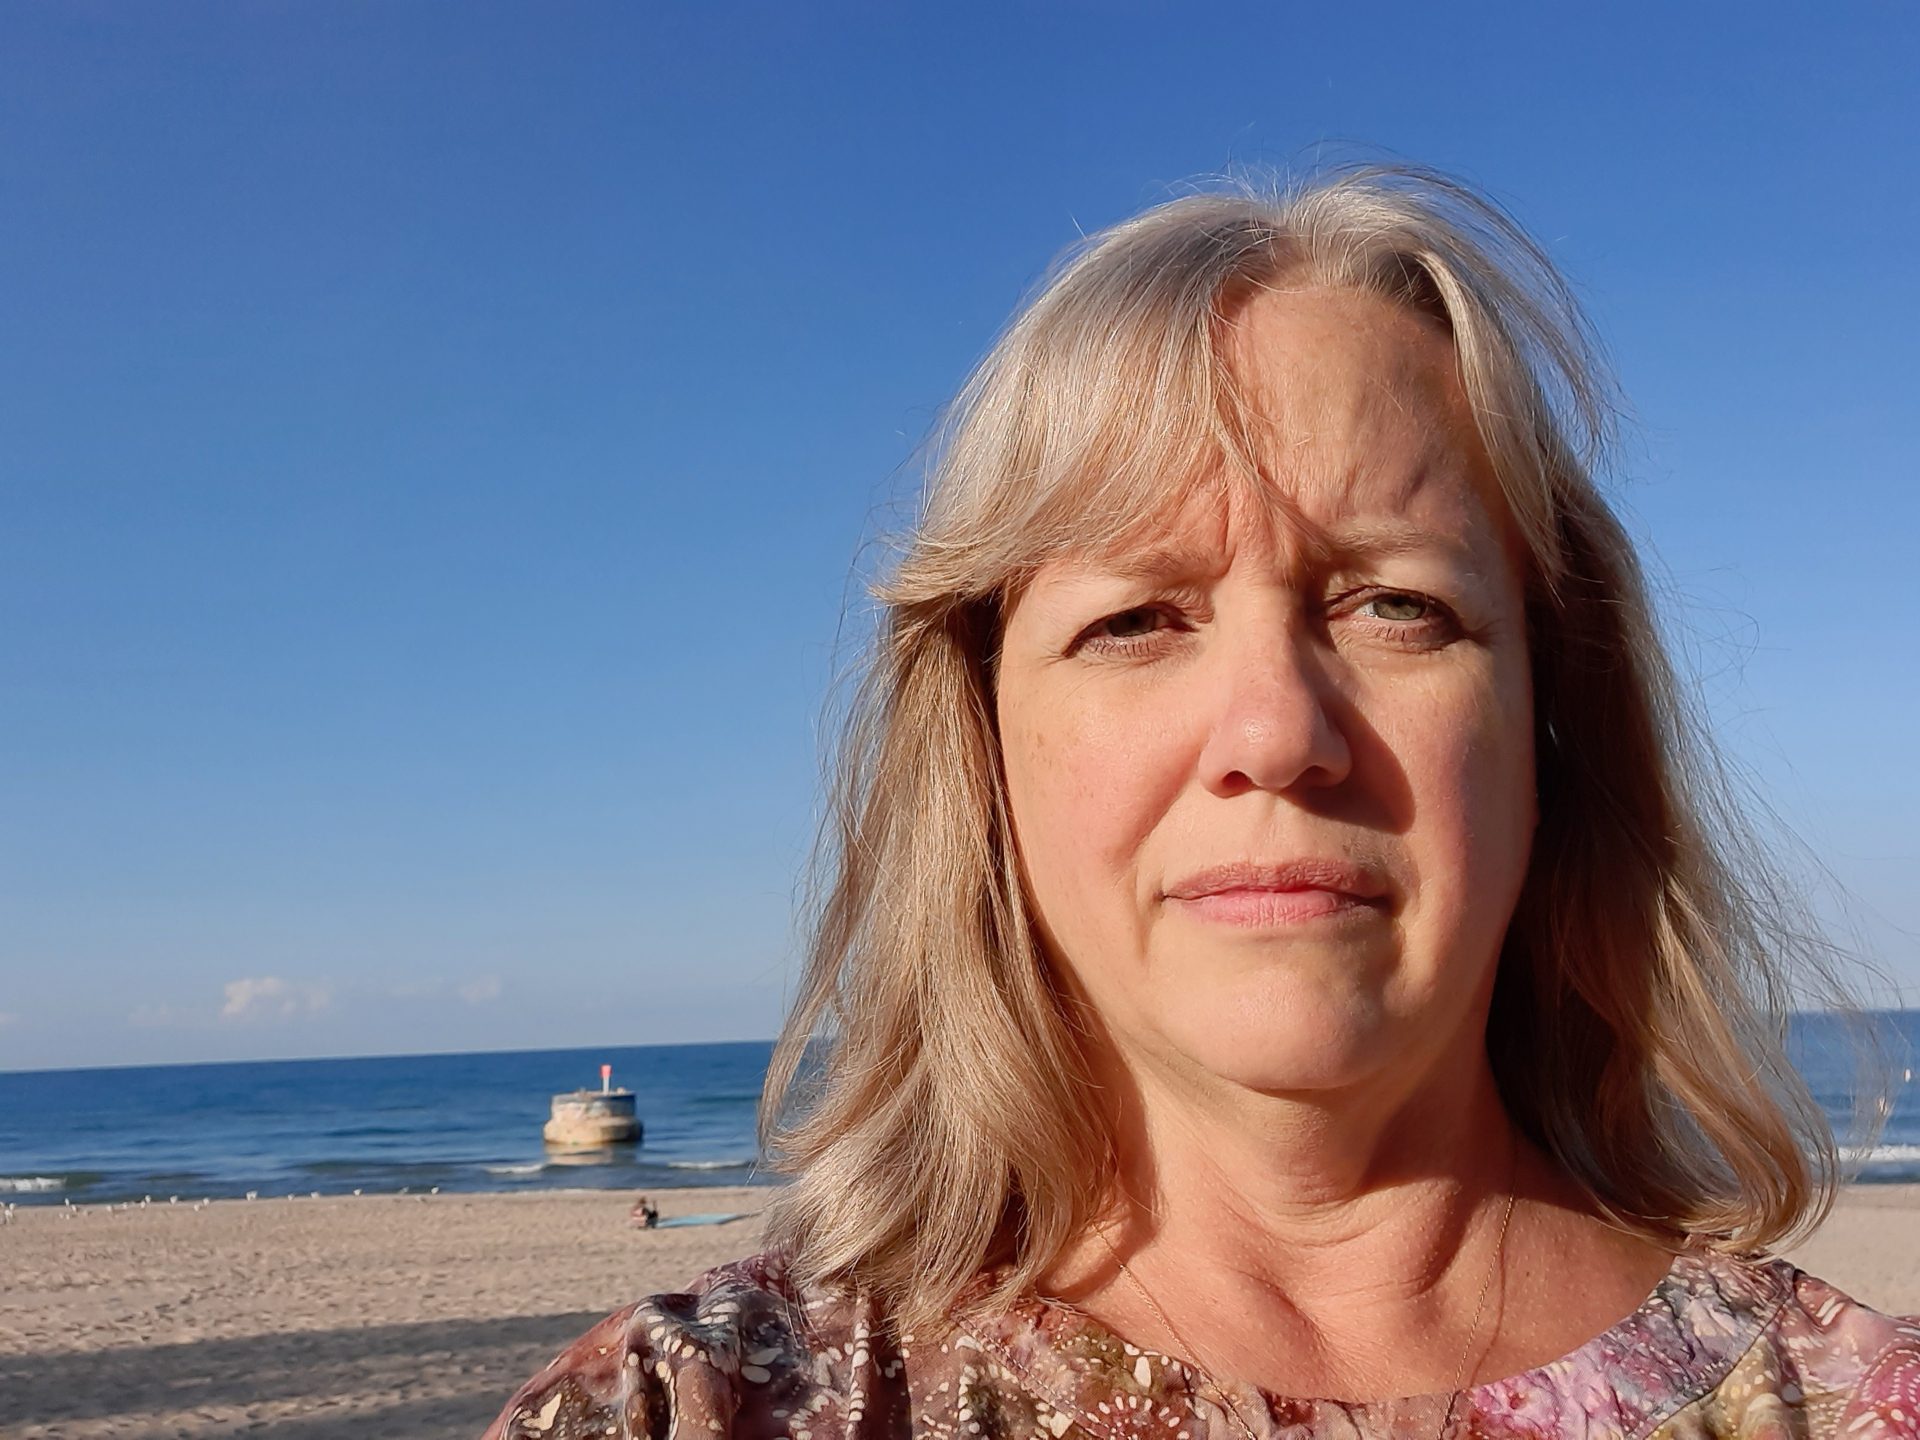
(741, 1345)
(1861, 1362)
(1836, 1364)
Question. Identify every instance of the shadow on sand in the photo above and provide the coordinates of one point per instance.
(362, 1380)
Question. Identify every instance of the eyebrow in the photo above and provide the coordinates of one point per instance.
(1358, 540)
(1384, 538)
(1157, 563)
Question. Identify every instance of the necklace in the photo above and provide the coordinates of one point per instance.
(1473, 1330)
(1167, 1324)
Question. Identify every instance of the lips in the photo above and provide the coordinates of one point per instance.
(1280, 895)
(1313, 873)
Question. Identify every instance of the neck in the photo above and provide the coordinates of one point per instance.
(1316, 1245)
(1289, 1187)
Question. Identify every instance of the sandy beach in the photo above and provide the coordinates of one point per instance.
(397, 1316)
(376, 1316)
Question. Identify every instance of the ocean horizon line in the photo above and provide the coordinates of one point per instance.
(567, 1050)
(520, 1050)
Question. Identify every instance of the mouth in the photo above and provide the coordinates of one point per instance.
(1274, 893)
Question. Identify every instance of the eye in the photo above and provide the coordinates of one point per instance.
(1130, 622)
(1130, 629)
(1398, 605)
(1427, 619)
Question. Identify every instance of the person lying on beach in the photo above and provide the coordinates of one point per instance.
(1291, 966)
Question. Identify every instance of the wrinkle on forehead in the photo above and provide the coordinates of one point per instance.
(1375, 453)
(1201, 535)
(1325, 381)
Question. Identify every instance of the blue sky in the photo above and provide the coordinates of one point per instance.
(441, 446)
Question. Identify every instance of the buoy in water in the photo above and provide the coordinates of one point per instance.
(593, 1117)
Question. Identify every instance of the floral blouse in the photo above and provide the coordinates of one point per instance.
(1742, 1349)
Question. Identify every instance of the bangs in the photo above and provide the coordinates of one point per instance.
(1148, 458)
(1110, 411)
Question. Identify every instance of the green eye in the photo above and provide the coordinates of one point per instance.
(1398, 607)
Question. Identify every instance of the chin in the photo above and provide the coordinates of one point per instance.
(1285, 1044)
(1297, 1074)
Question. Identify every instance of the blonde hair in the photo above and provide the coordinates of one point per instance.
(930, 1093)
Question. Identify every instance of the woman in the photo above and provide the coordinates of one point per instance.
(1286, 971)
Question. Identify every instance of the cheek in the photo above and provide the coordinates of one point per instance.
(1469, 767)
(1085, 788)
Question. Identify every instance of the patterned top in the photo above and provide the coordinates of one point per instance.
(1741, 1349)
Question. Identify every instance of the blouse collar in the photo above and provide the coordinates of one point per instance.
(1680, 1342)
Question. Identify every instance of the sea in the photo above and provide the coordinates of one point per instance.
(380, 1126)
(472, 1122)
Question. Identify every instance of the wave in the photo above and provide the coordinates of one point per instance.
(1882, 1155)
(534, 1169)
(31, 1184)
(710, 1164)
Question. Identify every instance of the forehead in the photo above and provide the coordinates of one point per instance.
(1353, 410)
(1309, 356)
(1355, 443)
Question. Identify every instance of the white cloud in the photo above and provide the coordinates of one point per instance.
(481, 990)
(268, 997)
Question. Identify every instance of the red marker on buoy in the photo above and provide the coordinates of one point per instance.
(606, 1078)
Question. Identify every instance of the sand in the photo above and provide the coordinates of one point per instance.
(311, 1319)
(389, 1316)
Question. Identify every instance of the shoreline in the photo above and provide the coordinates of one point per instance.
(418, 1315)
(41, 1201)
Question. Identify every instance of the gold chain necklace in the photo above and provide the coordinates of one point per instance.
(1473, 1331)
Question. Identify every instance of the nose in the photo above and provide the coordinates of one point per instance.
(1271, 716)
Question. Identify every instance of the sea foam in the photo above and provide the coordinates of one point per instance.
(30, 1184)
